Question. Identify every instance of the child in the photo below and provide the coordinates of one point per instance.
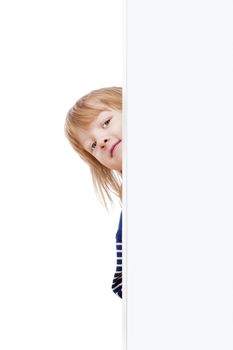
(93, 128)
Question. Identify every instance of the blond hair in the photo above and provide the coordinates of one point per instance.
(106, 181)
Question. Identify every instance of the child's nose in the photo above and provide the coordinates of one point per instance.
(103, 143)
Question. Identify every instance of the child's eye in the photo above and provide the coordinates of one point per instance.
(107, 122)
(93, 146)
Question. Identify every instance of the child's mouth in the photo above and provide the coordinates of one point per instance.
(112, 149)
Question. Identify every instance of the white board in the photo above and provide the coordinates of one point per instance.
(178, 225)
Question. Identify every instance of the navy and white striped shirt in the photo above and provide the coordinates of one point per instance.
(117, 280)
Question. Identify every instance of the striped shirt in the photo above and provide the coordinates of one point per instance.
(117, 280)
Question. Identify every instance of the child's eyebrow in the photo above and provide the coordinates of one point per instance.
(100, 118)
(87, 147)
(87, 142)
(107, 114)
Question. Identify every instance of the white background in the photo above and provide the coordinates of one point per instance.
(57, 243)
(179, 175)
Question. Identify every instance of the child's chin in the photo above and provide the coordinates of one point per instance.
(118, 167)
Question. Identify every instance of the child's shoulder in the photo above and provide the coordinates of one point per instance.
(119, 231)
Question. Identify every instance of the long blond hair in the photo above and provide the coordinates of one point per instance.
(106, 181)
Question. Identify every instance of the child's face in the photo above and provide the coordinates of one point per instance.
(103, 139)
